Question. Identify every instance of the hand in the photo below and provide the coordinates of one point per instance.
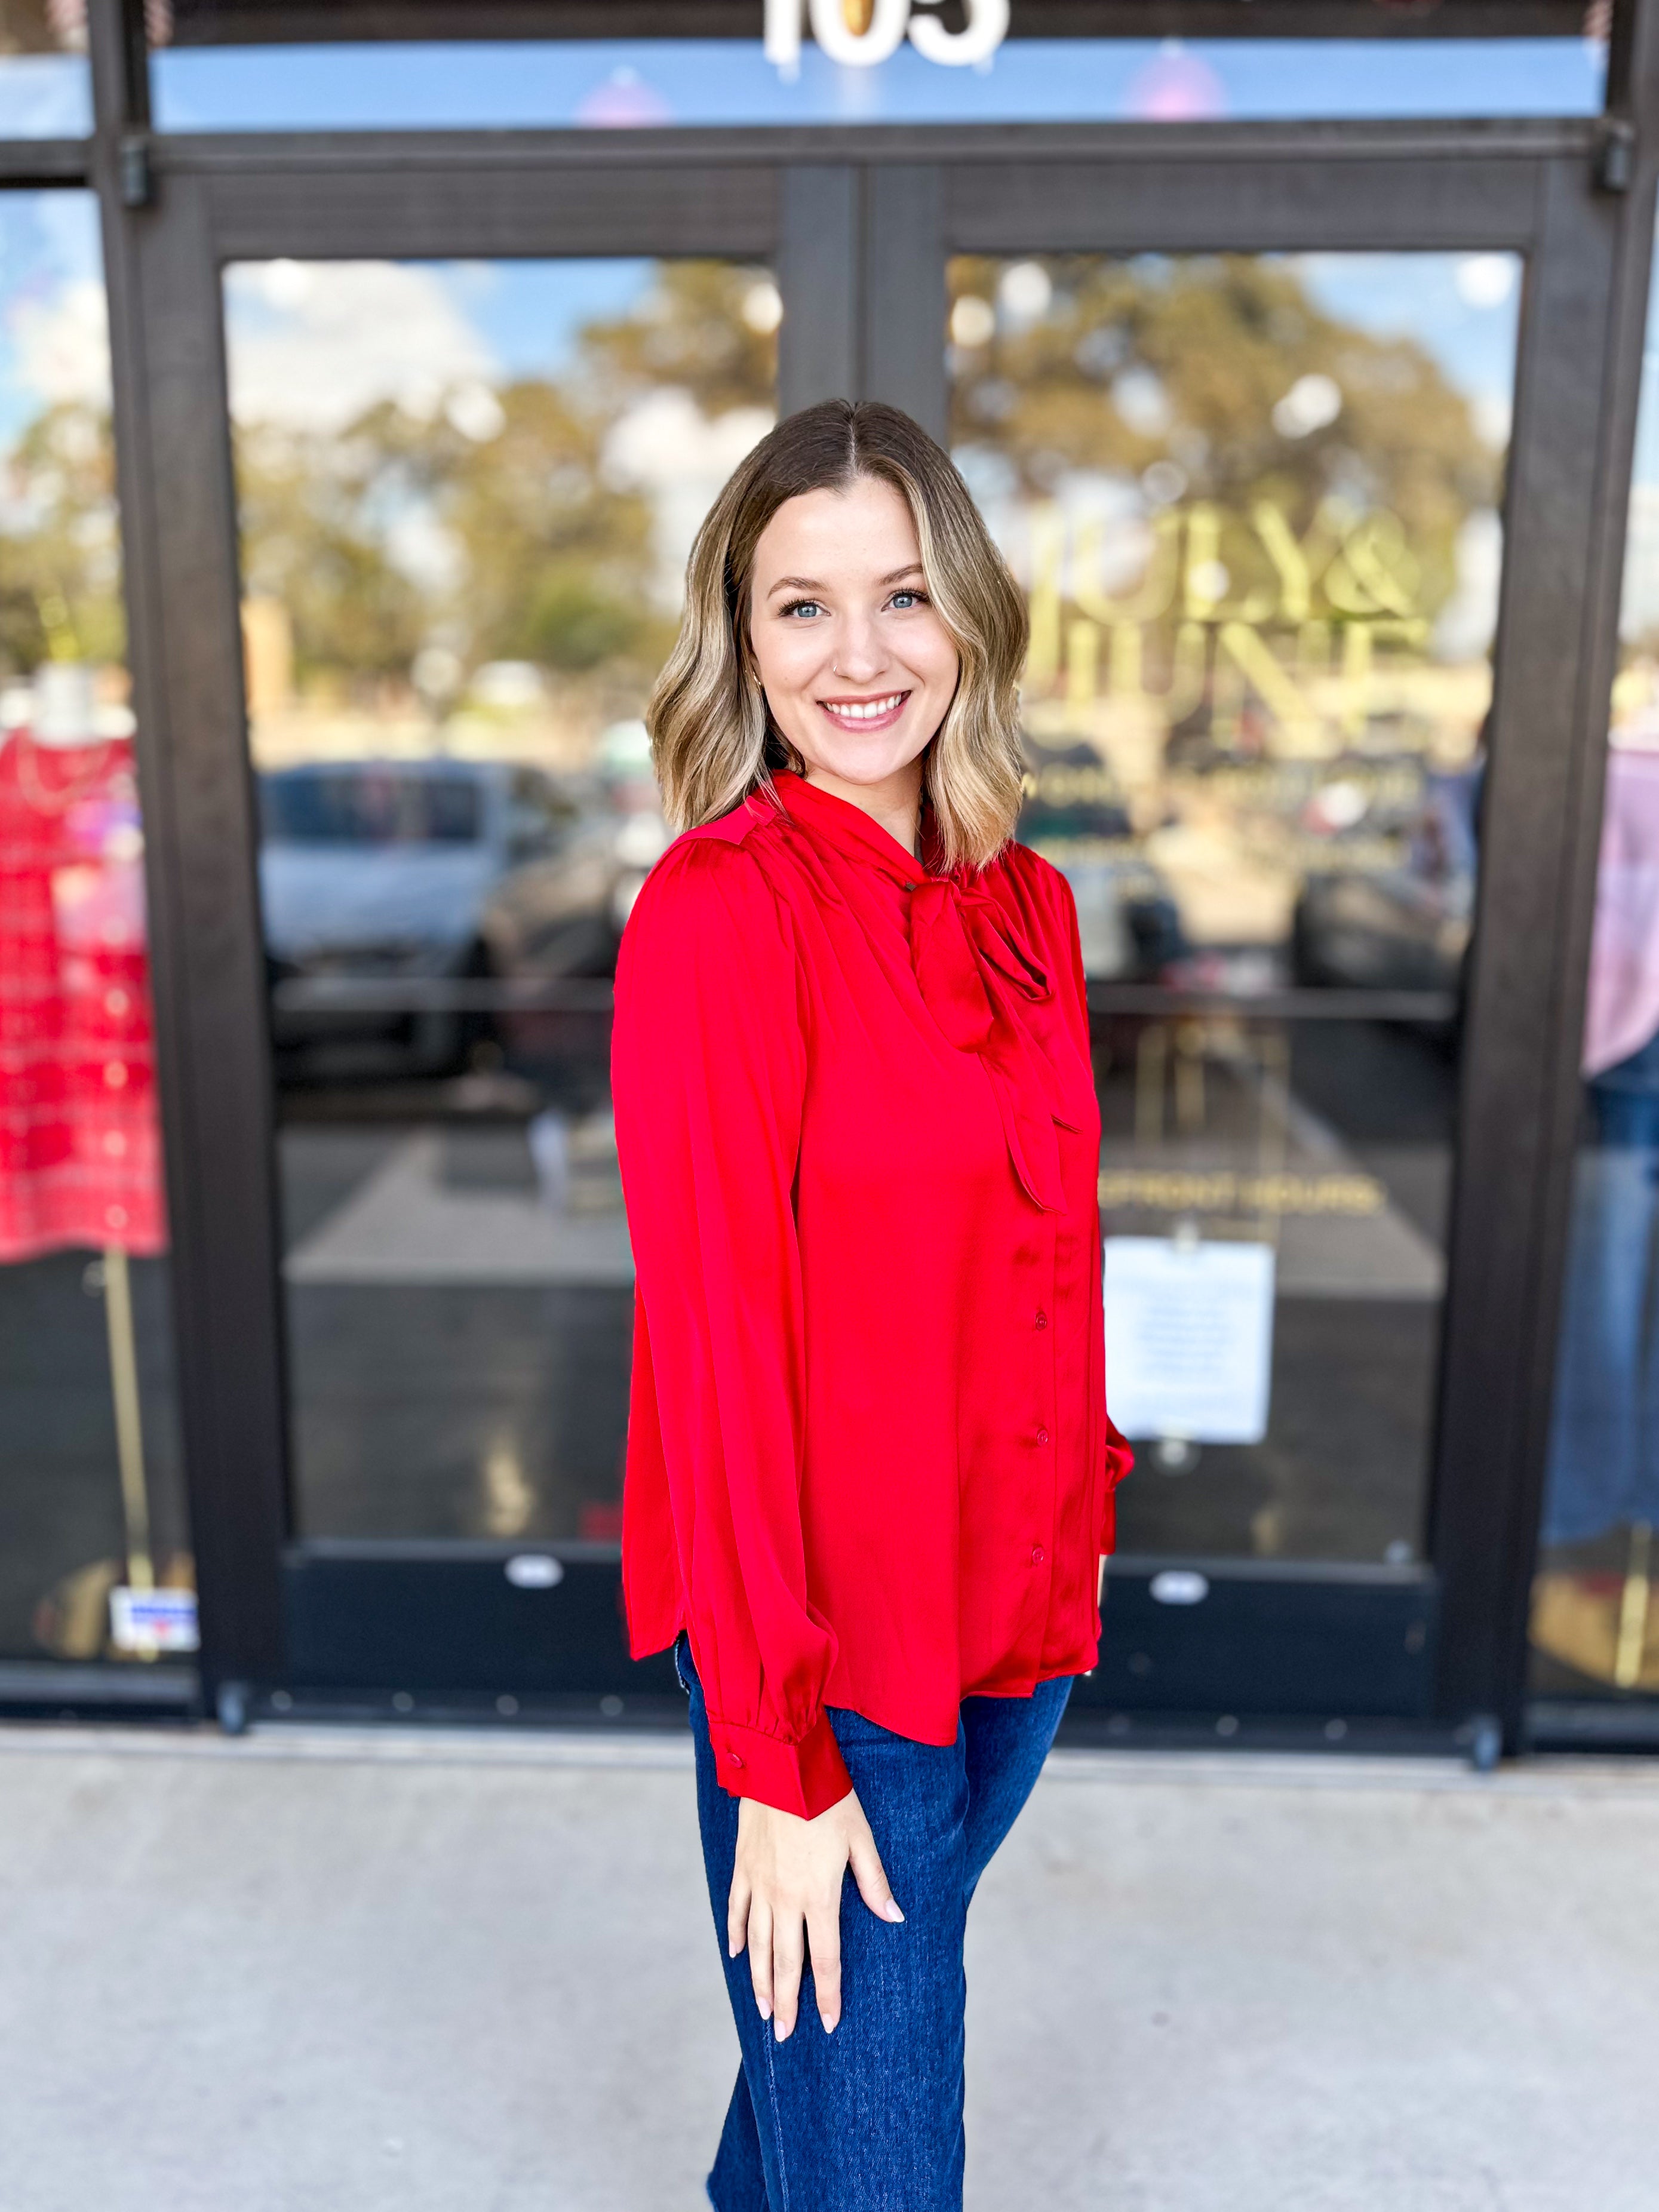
(789, 1872)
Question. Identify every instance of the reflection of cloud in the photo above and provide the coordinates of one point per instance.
(60, 344)
(1493, 414)
(313, 343)
(1485, 280)
(431, 557)
(679, 457)
(1464, 630)
(1640, 610)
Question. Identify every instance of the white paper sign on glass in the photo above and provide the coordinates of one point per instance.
(1189, 1337)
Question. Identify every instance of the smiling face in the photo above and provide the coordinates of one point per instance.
(857, 667)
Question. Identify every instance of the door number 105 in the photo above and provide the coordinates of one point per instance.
(884, 26)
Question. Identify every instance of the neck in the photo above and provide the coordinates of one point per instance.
(895, 802)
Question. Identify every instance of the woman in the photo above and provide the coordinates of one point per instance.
(870, 1472)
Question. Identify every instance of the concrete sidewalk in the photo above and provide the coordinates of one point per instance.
(314, 1972)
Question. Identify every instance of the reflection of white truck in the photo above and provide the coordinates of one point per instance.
(410, 872)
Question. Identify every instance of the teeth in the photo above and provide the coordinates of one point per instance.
(865, 710)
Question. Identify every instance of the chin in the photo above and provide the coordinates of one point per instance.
(856, 763)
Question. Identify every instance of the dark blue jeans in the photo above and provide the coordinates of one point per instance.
(1604, 1454)
(869, 2120)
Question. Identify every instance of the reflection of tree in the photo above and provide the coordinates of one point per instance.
(556, 561)
(60, 574)
(311, 538)
(497, 527)
(1126, 365)
(693, 331)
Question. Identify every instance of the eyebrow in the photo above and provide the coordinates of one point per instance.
(812, 583)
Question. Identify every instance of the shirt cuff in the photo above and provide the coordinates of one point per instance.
(806, 1778)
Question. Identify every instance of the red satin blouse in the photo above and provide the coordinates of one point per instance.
(869, 1463)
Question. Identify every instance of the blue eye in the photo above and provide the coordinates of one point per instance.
(906, 599)
(803, 607)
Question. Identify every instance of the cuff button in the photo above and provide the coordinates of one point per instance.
(734, 1758)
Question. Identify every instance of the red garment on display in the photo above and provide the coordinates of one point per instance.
(80, 1154)
(869, 1463)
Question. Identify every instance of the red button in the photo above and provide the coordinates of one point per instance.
(1042, 1318)
(734, 1758)
(1043, 1435)
(1037, 1555)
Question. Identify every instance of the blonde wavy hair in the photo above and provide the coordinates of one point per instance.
(712, 739)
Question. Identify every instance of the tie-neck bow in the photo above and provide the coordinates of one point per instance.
(983, 984)
(990, 993)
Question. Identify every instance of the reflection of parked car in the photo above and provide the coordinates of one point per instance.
(1401, 927)
(404, 872)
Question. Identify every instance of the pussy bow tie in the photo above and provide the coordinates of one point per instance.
(990, 995)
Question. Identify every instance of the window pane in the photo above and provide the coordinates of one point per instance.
(629, 83)
(46, 88)
(1596, 1621)
(89, 1493)
(467, 493)
(1253, 501)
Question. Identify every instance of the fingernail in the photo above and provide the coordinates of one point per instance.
(829, 2024)
(892, 1909)
(765, 2008)
(779, 2030)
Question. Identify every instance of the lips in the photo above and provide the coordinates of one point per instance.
(860, 714)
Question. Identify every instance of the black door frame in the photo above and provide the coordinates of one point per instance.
(845, 215)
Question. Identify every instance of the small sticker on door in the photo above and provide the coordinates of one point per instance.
(150, 1620)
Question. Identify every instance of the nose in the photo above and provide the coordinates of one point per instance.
(860, 656)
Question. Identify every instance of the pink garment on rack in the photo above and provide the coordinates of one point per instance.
(1623, 1012)
(80, 1152)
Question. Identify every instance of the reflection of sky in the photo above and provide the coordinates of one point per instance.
(529, 312)
(313, 343)
(1640, 610)
(480, 84)
(525, 316)
(1425, 296)
(52, 345)
(45, 96)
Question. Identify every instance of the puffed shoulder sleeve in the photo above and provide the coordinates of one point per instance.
(709, 1066)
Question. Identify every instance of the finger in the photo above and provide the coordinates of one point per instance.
(737, 1915)
(760, 1955)
(788, 1955)
(823, 1941)
(872, 1878)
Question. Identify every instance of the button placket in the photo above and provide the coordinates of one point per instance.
(1047, 1363)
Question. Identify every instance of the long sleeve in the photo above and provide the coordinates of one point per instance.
(709, 1072)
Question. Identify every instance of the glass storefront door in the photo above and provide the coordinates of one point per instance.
(1248, 446)
(1254, 501)
(467, 491)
